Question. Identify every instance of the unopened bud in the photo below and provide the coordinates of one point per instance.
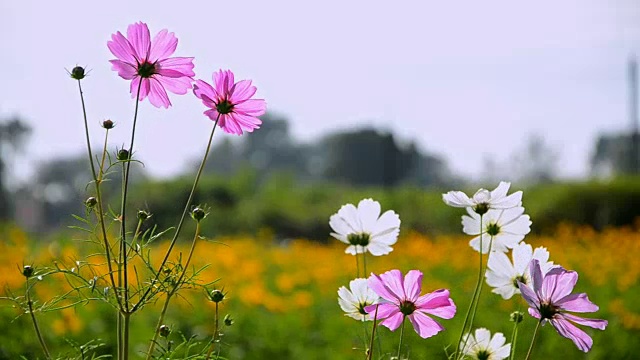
(198, 214)
(77, 73)
(228, 321)
(123, 155)
(108, 124)
(164, 331)
(91, 202)
(516, 317)
(217, 296)
(27, 271)
(143, 215)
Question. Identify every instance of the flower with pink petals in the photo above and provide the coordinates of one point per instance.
(148, 64)
(401, 298)
(230, 103)
(550, 300)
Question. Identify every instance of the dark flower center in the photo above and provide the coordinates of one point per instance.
(224, 107)
(361, 307)
(361, 239)
(548, 311)
(407, 307)
(146, 69)
(493, 229)
(481, 208)
(483, 355)
(520, 278)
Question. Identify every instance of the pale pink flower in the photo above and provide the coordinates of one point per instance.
(149, 65)
(550, 300)
(401, 298)
(230, 103)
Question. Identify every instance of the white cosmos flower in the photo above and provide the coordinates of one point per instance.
(364, 229)
(503, 275)
(507, 227)
(483, 200)
(353, 300)
(484, 347)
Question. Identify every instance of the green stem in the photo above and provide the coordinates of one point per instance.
(173, 291)
(215, 336)
(514, 338)
(373, 333)
(35, 323)
(184, 215)
(401, 336)
(364, 263)
(475, 307)
(535, 332)
(357, 263)
(125, 335)
(474, 298)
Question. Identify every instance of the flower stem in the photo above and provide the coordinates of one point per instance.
(474, 298)
(401, 336)
(215, 336)
(533, 339)
(357, 263)
(514, 338)
(373, 334)
(184, 215)
(35, 323)
(364, 263)
(482, 271)
(172, 292)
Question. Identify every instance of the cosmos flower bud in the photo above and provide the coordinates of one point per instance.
(143, 215)
(516, 317)
(27, 271)
(123, 155)
(228, 321)
(108, 124)
(164, 331)
(91, 202)
(198, 214)
(217, 296)
(77, 73)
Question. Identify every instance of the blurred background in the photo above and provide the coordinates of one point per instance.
(365, 99)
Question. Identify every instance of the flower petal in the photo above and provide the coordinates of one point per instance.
(424, 325)
(176, 67)
(368, 213)
(412, 285)
(457, 199)
(163, 45)
(437, 303)
(121, 48)
(124, 69)
(570, 331)
(594, 323)
(140, 39)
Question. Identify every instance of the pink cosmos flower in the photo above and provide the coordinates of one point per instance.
(148, 65)
(230, 102)
(401, 298)
(550, 299)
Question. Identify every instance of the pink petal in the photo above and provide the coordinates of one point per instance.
(144, 89)
(576, 303)
(412, 285)
(121, 48)
(393, 283)
(437, 303)
(557, 286)
(594, 323)
(534, 312)
(570, 331)
(163, 45)
(425, 326)
(124, 69)
(229, 125)
(248, 123)
(140, 39)
(202, 89)
(536, 275)
(384, 310)
(394, 321)
(178, 86)
(253, 107)
(176, 67)
(529, 296)
(158, 96)
(242, 91)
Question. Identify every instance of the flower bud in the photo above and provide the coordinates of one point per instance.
(143, 215)
(91, 202)
(164, 331)
(198, 214)
(228, 321)
(77, 73)
(217, 296)
(516, 317)
(27, 271)
(123, 155)
(108, 124)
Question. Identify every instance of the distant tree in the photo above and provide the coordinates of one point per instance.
(13, 137)
(614, 155)
(371, 158)
(536, 162)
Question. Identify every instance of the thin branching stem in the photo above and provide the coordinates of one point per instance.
(373, 334)
(533, 339)
(404, 318)
(214, 340)
(35, 322)
(184, 215)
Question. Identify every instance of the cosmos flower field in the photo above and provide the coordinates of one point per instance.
(283, 297)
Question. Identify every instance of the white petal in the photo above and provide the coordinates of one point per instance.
(368, 212)
(349, 214)
(499, 263)
(522, 254)
(342, 238)
(510, 201)
(471, 226)
(505, 241)
(388, 220)
(475, 243)
(509, 215)
(501, 191)
(378, 249)
(457, 199)
(503, 352)
(483, 336)
(339, 226)
(520, 226)
(506, 291)
(388, 238)
(497, 341)
(351, 249)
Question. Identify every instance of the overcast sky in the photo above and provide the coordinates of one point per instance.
(465, 80)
